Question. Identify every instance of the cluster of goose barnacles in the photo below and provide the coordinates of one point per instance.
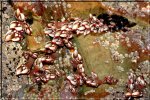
(81, 78)
(135, 86)
(18, 28)
(60, 36)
